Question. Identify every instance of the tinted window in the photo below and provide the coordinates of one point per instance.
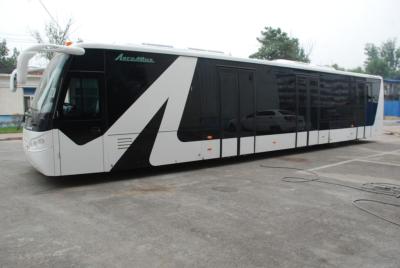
(282, 112)
(210, 100)
(333, 100)
(266, 113)
(343, 103)
(190, 128)
(229, 102)
(359, 101)
(250, 115)
(82, 100)
(246, 88)
(336, 102)
(92, 60)
(327, 104)
(45, 94)
(81, 106)
(314, 103)
(302, 104)
(373, 87)
(276, 91)
(128, 75)
(200, 119)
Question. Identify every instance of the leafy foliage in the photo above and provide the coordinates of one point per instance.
(7, 63)
(277, 44)
(337, 67)
(358, 69)
(354, 70)
(383, 60)
(54, 35)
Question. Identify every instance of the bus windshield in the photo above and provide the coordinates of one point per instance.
(44, 97)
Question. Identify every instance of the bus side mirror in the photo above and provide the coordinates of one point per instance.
(13, 81)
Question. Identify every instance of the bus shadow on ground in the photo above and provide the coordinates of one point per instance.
(142, 173)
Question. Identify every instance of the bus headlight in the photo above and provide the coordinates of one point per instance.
(37, 144)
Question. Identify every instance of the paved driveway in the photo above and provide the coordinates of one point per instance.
(232, 213)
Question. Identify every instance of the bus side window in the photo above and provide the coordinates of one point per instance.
(82, 99)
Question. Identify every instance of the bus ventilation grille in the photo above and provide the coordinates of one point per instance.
(124, 143)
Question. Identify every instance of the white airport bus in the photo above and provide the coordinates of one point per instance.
(101, 108)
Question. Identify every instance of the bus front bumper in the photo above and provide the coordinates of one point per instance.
(39, 150)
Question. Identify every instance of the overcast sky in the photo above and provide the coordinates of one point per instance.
(336, 30)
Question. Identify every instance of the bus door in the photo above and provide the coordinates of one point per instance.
(370, 110)
(81, 123)
(307, 110)
(360, 101)
(237, 111)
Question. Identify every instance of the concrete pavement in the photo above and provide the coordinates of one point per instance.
(229, 213)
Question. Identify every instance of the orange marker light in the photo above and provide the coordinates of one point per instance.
(68, 43)
(209, 137)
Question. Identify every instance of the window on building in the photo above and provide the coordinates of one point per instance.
(27, 103)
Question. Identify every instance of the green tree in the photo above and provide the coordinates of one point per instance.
(55, 34)
(358, 69)
(337, 67)
(354, 70)
(7, 63)
(276, 44)
(383, 60)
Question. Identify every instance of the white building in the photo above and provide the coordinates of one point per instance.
(14, 104)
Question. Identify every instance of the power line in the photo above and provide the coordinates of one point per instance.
(20, 40)
(51, 16)
(17, 38)
(18, 35)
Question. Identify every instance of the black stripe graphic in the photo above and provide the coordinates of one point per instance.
(138, 154)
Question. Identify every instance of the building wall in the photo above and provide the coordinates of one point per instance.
(392, 97)
(12, 103)
(392, 108)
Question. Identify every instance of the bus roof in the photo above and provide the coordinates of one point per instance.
(217, 55)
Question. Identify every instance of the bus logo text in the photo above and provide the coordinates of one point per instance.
(122, 57)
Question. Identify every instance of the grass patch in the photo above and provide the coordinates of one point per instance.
(4, 130)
